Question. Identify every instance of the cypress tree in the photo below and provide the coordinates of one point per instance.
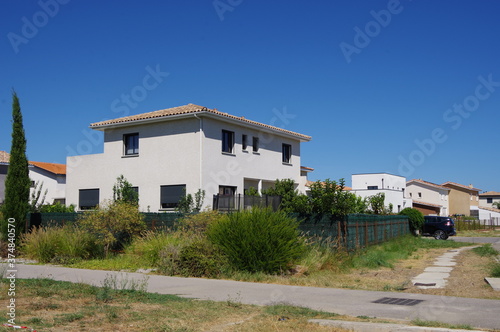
(17, 182)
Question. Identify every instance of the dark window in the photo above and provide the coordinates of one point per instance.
(244, 141)
(286, 153)
(372, 187)
(131, 144)
(227, 190)
(255, 144)
(227, 141)
(489, 200)
(419, 195)
(88, 199)
(170, 195)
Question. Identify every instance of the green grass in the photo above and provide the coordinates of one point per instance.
(431, 323)
(495, 270)
(486, 250)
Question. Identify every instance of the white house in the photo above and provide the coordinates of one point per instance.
(428, 197)
(52, 176)
(392, 186)
(183, 149)
(488, 198)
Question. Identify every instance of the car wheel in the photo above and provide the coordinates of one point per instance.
(440, 235)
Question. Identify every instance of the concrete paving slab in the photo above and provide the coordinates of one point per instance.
(381, 327)
(444, 262)
(494, 283)
(442, 269)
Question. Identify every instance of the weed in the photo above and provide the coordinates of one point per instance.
(431, 323)
(495, 270)
(486, 250)
(284, 309)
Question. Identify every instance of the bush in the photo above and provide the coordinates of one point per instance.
(114, 225)
(151, 246)
(201, 259)
(416, 218)
(199, 222)
(258, 240)
(59, 244)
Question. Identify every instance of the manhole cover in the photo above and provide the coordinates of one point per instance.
(398, 301)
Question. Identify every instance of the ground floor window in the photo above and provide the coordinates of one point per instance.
(227, 190)
(171, 195)
(88, 199)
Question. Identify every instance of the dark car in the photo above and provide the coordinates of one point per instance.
(439, 227)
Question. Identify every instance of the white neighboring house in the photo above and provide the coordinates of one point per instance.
(183, 149)
(428, 197)
(392, 186)
(51, 175)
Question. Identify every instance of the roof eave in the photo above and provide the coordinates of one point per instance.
(103, 127)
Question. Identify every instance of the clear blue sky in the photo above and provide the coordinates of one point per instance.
(404, 87)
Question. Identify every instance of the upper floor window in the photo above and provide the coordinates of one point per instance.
(131, 144)
(227, 141)
(244, 142)
(88, 199)
(255, 144)
(372, 187)
(419, 195)
(489, 200)
(286, 153)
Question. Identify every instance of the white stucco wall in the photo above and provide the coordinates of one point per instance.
(53, 183)
(183, 151)
(392, 186)
(430, 195)
(484, 203)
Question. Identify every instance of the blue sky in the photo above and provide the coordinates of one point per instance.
(405, 87)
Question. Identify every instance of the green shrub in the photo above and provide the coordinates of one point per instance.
(416, 218)
(258, 240)
(201, 259)
(151, 245)
(199, 222)
(114, 225)
(59, 244)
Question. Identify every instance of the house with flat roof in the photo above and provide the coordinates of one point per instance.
(167, 153)
(392, 186)
(51, 176)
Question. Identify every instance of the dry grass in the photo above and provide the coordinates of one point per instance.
(57, 306)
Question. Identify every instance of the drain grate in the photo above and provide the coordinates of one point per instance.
(398, 301)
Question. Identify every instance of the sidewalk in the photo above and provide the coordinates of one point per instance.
(400, 306)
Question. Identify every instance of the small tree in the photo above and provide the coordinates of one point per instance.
(17, 182)
(124, 191)
(188, 204)
(416, 219)
(37, 199)
(286, 189)
(376, 203)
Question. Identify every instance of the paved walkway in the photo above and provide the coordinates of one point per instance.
(400, 306)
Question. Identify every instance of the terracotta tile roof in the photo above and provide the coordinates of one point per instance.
(471, 188)
(51, 167)
(189, 109)
(489, 209)
(490, 193)
(307, 169)
(430, 184)
(425, 203)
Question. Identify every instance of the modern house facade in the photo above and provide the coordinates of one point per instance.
(429, 198)
(51, 176)
(392, 186)
(167, 153)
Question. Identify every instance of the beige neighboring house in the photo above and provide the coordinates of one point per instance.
(428, 197)
(464, 200)
(488, 198)
(51, 175)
